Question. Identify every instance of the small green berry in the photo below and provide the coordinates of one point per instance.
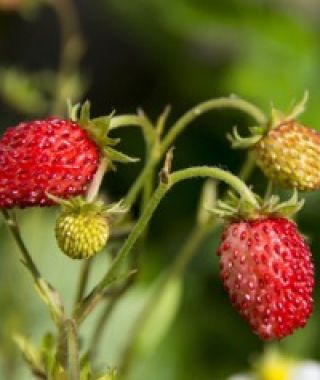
(81, 233)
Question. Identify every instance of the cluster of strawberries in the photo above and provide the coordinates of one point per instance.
(266, 265)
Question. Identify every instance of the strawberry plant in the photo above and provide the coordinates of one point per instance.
(266, 266)
(58, 160)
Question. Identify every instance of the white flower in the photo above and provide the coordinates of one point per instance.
(274, 366)
(308, 370)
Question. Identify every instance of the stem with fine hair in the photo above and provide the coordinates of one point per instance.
(97, 293)
(73, 350)
(179, 126)
(210, 105)
(141, 121)
(92, 193)
(195, 238)
(47, 291)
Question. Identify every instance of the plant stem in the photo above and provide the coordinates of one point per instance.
(189, 248)
(97, 293)
(84, 277)
(148, 131)
(73, 350)
(210, 105)
(46, 291)
(94, 187)
(181, 124)
(15, 230)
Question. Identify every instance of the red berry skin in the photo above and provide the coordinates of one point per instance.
(266, 267)
(45, 156)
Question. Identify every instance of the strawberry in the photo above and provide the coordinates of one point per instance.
(289, 154)
(82, 231)
(286, 151)
(82, 227)
(266, 268)
(53, 156)
(45, 156)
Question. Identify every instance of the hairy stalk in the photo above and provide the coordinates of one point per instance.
(113, 274)
(197, 236)
(84, 277)
(73, 350)
(15, 230)
(181, 124)
(95, 184)
(46, 291)
(148, 131)
(92, 193)
(210, 105)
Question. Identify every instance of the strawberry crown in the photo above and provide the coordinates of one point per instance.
(277, 117)
(82, 206)
(235, 208)
(98, 129)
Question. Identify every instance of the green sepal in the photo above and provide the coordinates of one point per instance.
(98, 129)
(81, 205)
(239, 142)
(235, 208)
(116, 156)
(278, 117)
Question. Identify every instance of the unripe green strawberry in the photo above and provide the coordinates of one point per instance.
(82, 229)
(289, 155)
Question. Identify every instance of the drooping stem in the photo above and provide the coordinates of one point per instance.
(47, 292)
(210, 105)
(179, 127)
(15, 230)
(73, 350)
(148, 131)
(183, 258)
(95, 296)
(95, 184)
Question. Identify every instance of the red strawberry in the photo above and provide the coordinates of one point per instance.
(45, 156)
(267, 270)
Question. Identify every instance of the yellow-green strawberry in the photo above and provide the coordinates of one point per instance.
(82, 228)
(286, 151)
(289, 155)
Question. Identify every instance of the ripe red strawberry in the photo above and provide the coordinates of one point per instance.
(267, 270)
(45, 156)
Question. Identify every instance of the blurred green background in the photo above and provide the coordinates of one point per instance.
(150, 53)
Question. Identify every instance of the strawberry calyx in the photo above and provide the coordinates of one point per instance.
(98, 129)
(235, 208)
(277, 118)
(82, 206)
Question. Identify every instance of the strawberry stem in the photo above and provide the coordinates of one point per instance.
(172, 179)
(180, 125)
(46, 291)
(95, 184)
(210, 105)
